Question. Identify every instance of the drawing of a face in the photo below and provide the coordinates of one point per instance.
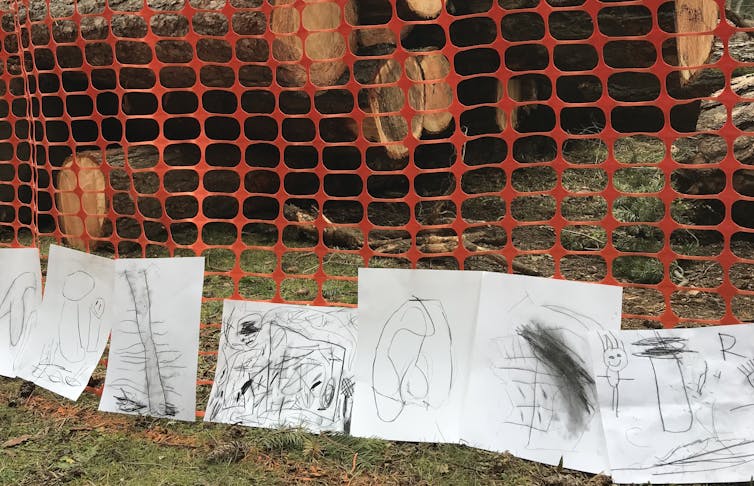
(614, 354)
(98, 308)
(615, 359)
(77, 286)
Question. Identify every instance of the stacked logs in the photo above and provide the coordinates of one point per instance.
(306, 49)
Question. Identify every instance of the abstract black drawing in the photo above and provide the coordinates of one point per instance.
(550, 386)
(615, 360)
(711, 450)
(285, 366)
(691, 408)
(550, 379)
(664, 354)
(701, 455)
(413, 360)
(149, 365)
(18, 306)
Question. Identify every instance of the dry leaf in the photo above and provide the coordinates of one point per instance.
(15, 441)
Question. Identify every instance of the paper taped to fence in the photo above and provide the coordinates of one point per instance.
(73, 323)
(155, 339)
(415, 334)
(531, 387)
(678, 404)
(282, 365)
(20, 297)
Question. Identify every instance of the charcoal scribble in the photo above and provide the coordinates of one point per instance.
(288, 366)
(147, 388)
(569, 371)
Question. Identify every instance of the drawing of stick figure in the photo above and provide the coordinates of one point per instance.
(74, 339)
(615, 359)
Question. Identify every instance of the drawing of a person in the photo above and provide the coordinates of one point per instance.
(74, 338)
(615, 359)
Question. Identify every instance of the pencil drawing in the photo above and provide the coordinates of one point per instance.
(747, 369)
(727, 343)
(615, 360)
(550, 385)
(96, 311)
(701, 455)
(145, 386)
(549, 378)
(692, 400)
(712, 451)
(701, 380)
(552, 349)
(63, 358)
(74, 339)
(18, 308)
(413, 359)
(664, 354)
(51, 368)
(287, 366)
(531, 389)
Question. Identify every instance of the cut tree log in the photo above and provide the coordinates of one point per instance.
(422, 9)
(325, 49)
(81, 188)
(429, 93)
(694, 50)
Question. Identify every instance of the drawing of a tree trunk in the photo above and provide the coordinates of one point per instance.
(156, 394)
(664, 355)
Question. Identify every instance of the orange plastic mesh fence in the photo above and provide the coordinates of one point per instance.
(291, 142)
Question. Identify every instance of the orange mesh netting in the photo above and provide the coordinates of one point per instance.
(292, 141)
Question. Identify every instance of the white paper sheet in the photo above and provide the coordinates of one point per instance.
(531, 389)
(20, 296)
(678, 404)
(284, 366)
(154, 348)
(415, 334)
(73, 323)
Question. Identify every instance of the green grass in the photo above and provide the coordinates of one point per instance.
(66, 443)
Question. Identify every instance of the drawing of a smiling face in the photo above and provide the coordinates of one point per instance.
(613, 353)
(615, 358)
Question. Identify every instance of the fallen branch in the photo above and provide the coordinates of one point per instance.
(352, 238)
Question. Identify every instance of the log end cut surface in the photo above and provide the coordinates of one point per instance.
(694, 50)
(81, 201)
